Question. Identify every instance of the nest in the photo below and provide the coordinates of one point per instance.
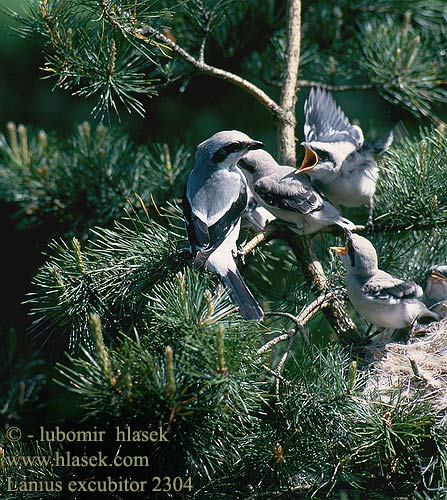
(417, 366)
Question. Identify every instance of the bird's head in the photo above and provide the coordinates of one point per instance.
(438, 273)
(437, 283)
(324, 157)
(358, 255)
(257, 161)
(226, 148)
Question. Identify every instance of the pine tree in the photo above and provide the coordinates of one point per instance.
(295, 406)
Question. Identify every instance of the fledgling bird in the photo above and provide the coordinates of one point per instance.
(256, 217)
(436, 290)
(382, 299)
(289, 197)
(341, 165)
(215, 197)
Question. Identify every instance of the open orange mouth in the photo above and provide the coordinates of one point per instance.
(309, 162)
(438, 277)
(339, 250)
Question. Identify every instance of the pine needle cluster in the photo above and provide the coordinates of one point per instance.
(110, 49)
(22, 380)
(89, 179)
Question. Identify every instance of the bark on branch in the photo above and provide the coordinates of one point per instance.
(336, 314)
(286, 129)
(200, 65)
(335, 88)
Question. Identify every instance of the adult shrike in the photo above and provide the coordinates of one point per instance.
(215, 197)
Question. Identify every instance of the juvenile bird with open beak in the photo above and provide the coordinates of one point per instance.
(436, 290)
(340, 164)
(382, 299)
(215, 197)
(289, 198)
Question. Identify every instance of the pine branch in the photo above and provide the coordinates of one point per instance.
(22, 380)
(398, 60)
(69, 186)
(411, 193)
(313, 272)
(336, 313)
(201, 66)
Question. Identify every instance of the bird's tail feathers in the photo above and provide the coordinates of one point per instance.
(241, 295)
(200, 259)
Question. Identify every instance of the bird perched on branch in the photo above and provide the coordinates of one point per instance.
(341, 165)
(256, 217)
(436, 290)
(288, 197)
(382, 299)
(214, 200)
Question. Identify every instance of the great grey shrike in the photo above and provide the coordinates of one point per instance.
(215, 197)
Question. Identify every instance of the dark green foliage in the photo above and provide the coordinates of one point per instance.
(88, 180)
(42, 471)
(400, 61)
(196, 380)
(153, 343)
(411, 193)
(93, 47)
(112, 274)
(98, 47)
(187, 363)
(22, 379)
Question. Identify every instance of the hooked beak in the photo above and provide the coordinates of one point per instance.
(340, 250)
(309, 162)
(255, 145)
(437, 276)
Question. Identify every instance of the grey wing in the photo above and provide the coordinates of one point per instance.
(206, 238)
(392, 289)
(289, 194)
(326, 122)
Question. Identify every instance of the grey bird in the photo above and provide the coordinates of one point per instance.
(382, 299)
(340, 163)
(289, 197)
(256, 217)
(436, 290)
(215, 197)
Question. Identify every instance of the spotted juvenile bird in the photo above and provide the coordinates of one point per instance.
(214, 200)
(341, 165)
(382, 299)
(436, 290)
(288, 197)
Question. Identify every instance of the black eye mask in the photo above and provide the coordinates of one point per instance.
(222, 153)
(246, 166)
